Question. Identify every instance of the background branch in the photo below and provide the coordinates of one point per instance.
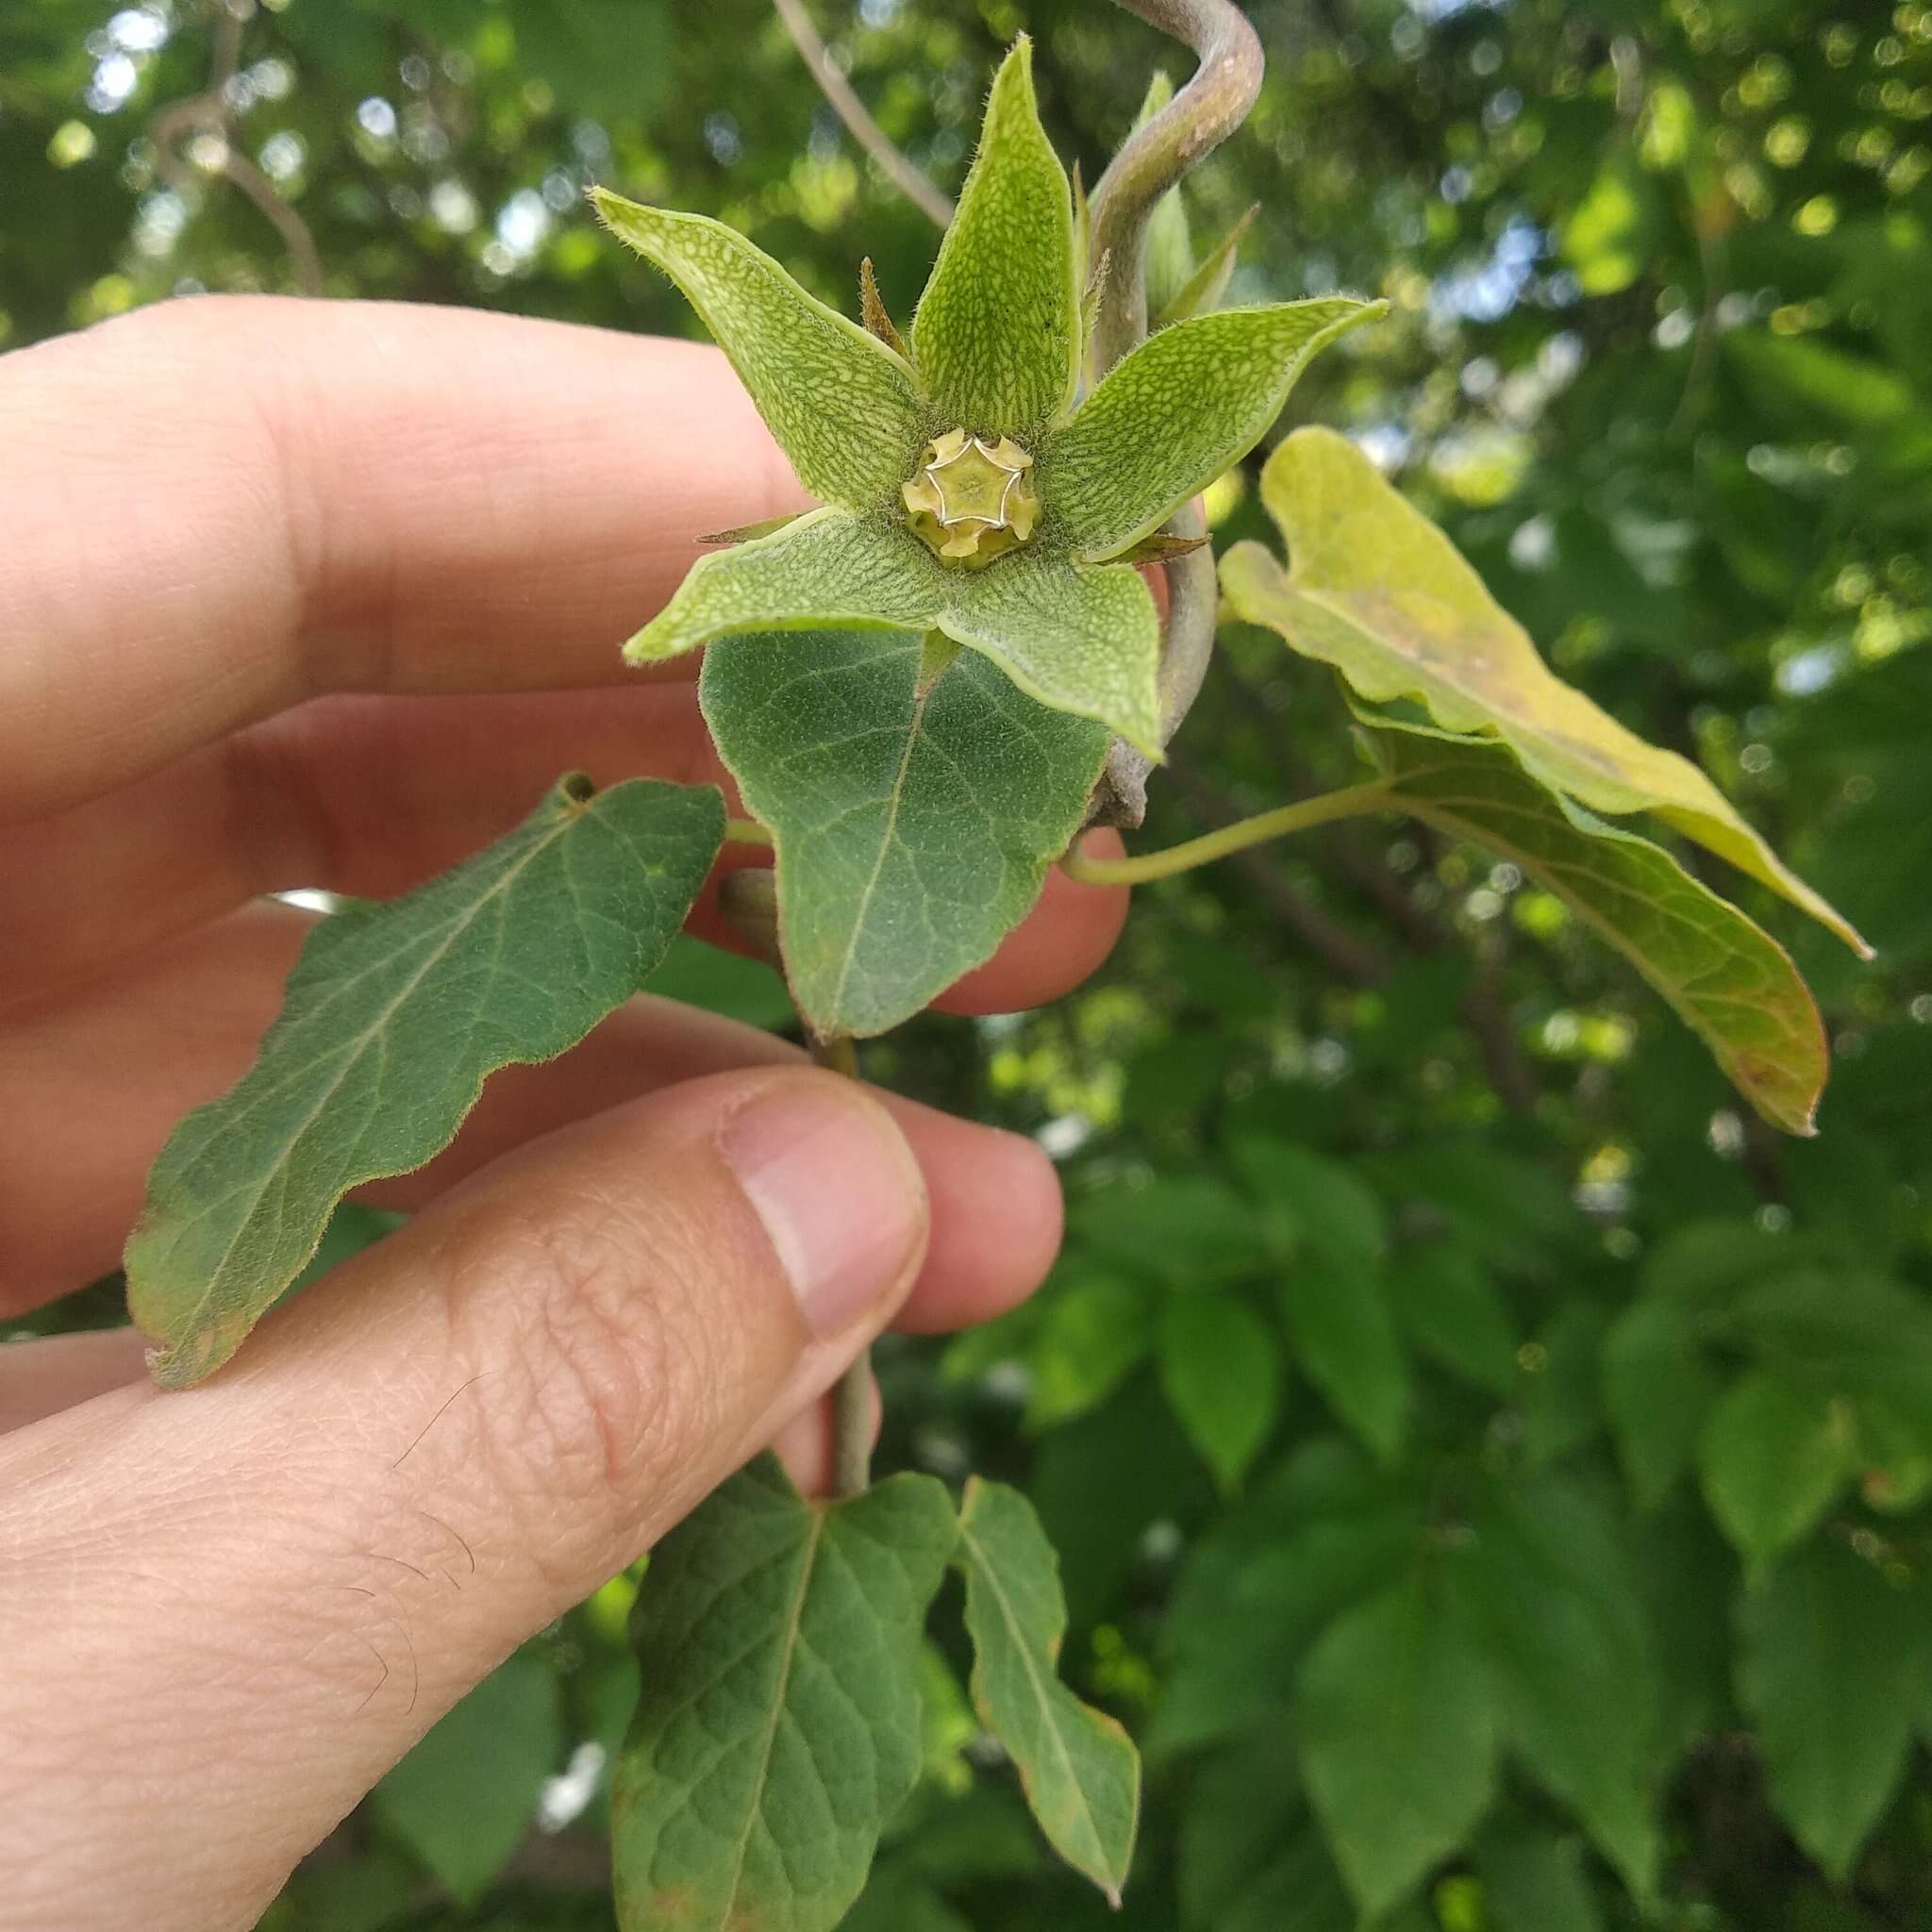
(898, 167)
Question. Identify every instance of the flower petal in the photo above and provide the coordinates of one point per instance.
(1175, 413)
(827, 568)
(1080, 639)
(996, 334)
(839, 401)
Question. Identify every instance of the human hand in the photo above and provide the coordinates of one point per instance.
(325, 595)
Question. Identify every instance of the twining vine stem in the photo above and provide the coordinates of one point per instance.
(1304, 812)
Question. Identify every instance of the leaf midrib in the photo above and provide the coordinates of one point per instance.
(894, 802)
(794, 1624)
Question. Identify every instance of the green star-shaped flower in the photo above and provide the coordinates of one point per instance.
(966, 487)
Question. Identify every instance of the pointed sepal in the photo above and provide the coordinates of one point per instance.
(839, 401)
(1172, 416)
(995, 336)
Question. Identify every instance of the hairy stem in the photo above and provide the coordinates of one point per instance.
(898, 167)
(1350, 803)
(851, 1394)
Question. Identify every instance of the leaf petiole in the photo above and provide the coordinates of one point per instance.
(746, 832)
(1351, 802)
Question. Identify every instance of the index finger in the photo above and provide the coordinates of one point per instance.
(226, 504)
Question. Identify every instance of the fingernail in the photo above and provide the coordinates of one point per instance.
(841, 1197)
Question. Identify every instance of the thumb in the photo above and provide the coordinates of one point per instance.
(272, 1583)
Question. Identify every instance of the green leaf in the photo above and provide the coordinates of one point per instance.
(1082, 640)
(1775, 1457)
(1093, 1331)
(779, 1642)
(914, 818)
(823, 571)
(1833, 1660)
(394, 1015)
(1398, 1740)
(465, 1796)
(1313, 1206)
(1174, 414)
(1346, 1344)
(1250, 1858)
(1221, 1371)
(1549, 1584)
(1450, 1303)
(1078, 639)
(1729, 981)
(1377, 591)
(1081, 1773)
(1534, 1881)
(1189, 1230)
(840, 403)
(996, 333)
(1658, 1390)
(1203, 291)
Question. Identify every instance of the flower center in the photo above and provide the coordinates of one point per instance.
(971, 500)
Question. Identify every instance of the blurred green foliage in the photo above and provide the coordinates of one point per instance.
(1493, 1475)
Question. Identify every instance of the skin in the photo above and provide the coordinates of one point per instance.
(307, 594)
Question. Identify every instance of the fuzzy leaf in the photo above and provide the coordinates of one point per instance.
(1377, 589)
(779, 1729)
(1172, 416)
(913, 822)
(1398, 1740)
(1729, 981)
(1833, 1660)
(1081, 1773)
(1078, 639)
(823, 570)
(840, 403)
(996, 333)
(394, 1015)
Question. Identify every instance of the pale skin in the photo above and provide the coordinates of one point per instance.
(303, 594)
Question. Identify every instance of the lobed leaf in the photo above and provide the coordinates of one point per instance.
(1833, 1660)
(839, 401)
(1174, 414)
(914, 818)
(996, 333)
(394, 1015)
(1398, 1738)
(1377, 589)
(1080, 1771)
(779, 1642)
(1729, 981)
